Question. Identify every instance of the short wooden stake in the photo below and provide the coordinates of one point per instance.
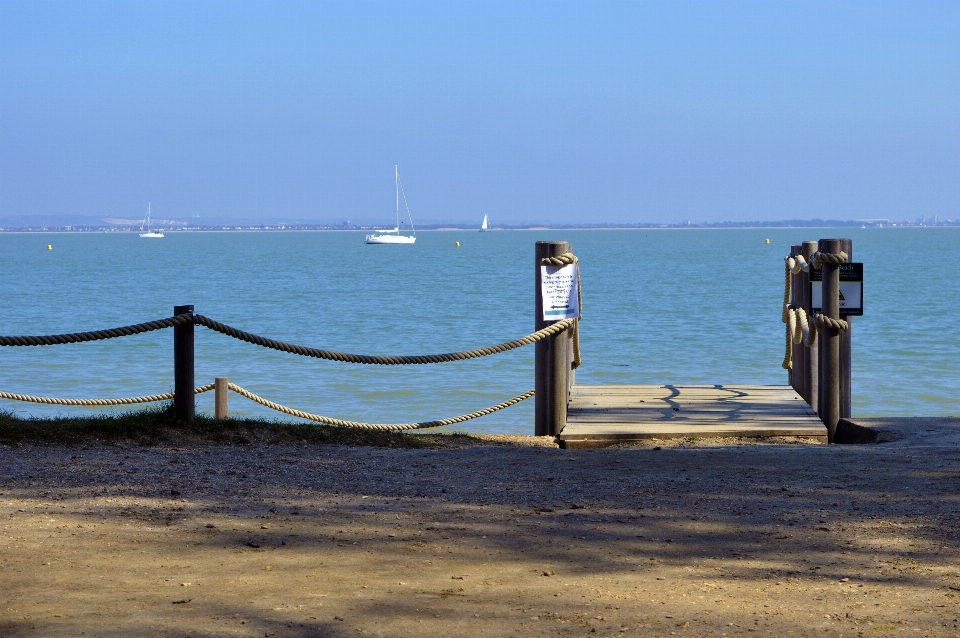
(183, 396)
(552, 359)
(812, 358)
(221, 393)
(830, 342)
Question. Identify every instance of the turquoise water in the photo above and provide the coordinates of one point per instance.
(660, 306)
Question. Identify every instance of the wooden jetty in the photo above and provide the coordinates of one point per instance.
(602, 415)
(810, 407)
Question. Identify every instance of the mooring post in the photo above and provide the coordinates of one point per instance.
(221, 390)
(552, 362)
(797, 373)
(830, 341)
(812, 359)
(846, 347)
(183, 397)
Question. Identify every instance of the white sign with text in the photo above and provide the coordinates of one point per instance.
(558, 290)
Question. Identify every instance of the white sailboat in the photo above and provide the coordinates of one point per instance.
(483, 226)
(145, 226)
(394, 236)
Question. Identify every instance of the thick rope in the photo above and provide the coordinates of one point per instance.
(97, 335)
(566, 259)
(549, 331)
(798, 331)
(186, 319)
(377, 426)
(123, 401)
(819, 258)
(822, 321)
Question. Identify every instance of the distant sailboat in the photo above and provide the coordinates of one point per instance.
(145, 226)
(483, 226)
(394, 236)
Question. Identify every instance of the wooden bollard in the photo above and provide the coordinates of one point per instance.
(830, 341)
(846, 346)
(552, 358)
(811, 360)
(183, 396)
(221, 391)
(797, 349)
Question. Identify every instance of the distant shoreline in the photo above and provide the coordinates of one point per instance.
(232, 228)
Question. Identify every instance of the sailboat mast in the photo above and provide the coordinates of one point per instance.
(396, 184)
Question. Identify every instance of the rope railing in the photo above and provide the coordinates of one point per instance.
(186, 320)
(378, 426)
(150, 398)
(274, 406)
(800, 328)
(242, 335)
(99, 335)
(345, 357)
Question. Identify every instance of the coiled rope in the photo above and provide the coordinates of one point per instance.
(121, 401)
(565, 259)
(798, 328)
(377, 426)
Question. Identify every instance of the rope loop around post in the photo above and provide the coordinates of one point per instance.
(819, 258)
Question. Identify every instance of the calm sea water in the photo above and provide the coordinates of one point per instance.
(660, 306)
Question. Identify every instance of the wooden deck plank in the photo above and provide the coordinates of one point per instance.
(604, 415)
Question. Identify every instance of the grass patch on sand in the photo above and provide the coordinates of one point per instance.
(159, 426)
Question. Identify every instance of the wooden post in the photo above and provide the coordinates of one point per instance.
(846, 343)
(552, 364)
(221, 398)
(812, 360)
(797, 374)
(830, 342)
(183, 397)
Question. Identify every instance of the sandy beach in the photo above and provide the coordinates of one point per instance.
(498, 536)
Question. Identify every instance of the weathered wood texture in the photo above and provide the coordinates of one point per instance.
(797, 376)
(846, 350)
(811, 361)
(830, 341)
(183, 396)
(552, 358)
(604, 415)
(221, 399)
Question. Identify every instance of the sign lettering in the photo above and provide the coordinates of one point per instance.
(851, 290)
(558, 290)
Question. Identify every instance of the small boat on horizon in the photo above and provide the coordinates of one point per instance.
(483, 226)
(145, 226)
(394, 236)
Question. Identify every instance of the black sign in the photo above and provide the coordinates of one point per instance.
(851, 290)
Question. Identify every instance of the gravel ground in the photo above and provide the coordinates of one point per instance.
(506, 536)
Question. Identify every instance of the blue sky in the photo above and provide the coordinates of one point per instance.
(527, 111)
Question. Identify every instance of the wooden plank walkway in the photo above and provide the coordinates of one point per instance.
(600, 415)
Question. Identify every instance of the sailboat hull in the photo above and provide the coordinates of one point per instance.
(390, 239)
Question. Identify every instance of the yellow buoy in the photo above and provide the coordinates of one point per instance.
(49, 247)
(458, 244)
(767, 241)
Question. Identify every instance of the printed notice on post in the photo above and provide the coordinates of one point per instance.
(558, 289)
